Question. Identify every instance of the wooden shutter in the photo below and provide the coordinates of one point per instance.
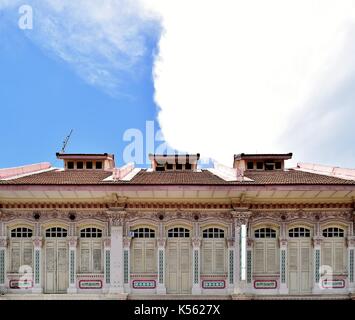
(27, 254)
(15, 256)
(137, 256)
(339, 256)
(207, 264)
(271, 256)
(85, 257)
(327, 253)
(96, 257)
(219, 256)
(259, 257)
(150, 258)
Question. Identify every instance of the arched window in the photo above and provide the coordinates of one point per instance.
(56, 232)
(333, 233)
(213, 233)
(213, 251)
(178, 233)
(143, 251)
(299, 232)
(143, 233)
(91, 233)
(265, 233)
(266, 253)
(21, 248)
(21, 233)
(334, 249)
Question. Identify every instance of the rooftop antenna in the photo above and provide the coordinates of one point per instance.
(65, 142)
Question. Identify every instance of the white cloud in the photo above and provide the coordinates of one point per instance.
(234, 76)
(100, 39)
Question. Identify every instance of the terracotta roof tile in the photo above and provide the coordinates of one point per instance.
(205, 177)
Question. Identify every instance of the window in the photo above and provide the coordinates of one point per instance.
(178, 166)
(160, 167)
(278, 165)
(143, 233)
(91, 250)
(169, 166)
(188, 166)
(299, 232)
(178, 233)
(80, 165)
(20, 248)
(91, 233)
(269, 166)
(21, 233)
(89, 165)
(333, 232)
(265, 233)
(213, 233)
(143, 252)
(56, 232)
(99, 165)
(334, 251)
(266, 253)
(213, 251)
(250, 165)
(259, 165)
(70, 165)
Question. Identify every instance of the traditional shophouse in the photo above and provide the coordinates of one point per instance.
(253, 230)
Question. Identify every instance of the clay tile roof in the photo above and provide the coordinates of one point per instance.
(204, 177)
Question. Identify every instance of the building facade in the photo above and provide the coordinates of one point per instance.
(251, 231)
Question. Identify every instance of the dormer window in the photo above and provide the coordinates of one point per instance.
(174, 162)
(70, 165)
(78, 161)
(265, 161)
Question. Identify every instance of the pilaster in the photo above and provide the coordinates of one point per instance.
(196, 265)
(37, 249)
(126, 263)
(3, 246)
(283, 289)
(72, 242)
(161, 288)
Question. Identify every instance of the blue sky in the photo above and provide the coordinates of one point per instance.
(234, 77)
(42, 98)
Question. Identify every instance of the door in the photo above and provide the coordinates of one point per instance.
(56, 262)
(300, 265)
(178, 261)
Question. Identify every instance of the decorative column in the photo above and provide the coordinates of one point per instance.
(107, 262)
(116, 256)
(3, 245)
(37, 279)
(231, 264)
(126, 263)
(196, 263)
(72, 242)
(249, 262)
(283, 266)
(351, 270)
(317, 243)
(240, 219)
(161, 288)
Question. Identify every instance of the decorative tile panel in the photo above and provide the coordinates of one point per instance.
(265, 284)
(249, 272)
(72, 266)
(231, 267)
(351, 265)
(143, 284)
(2, 266)
(317, 265)
(37, 266)
(333, 284)
(90, 284)
(213, 284)
(283, 266)
(125, 266)
(107, 266)
(161, 266)
(196, 267)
